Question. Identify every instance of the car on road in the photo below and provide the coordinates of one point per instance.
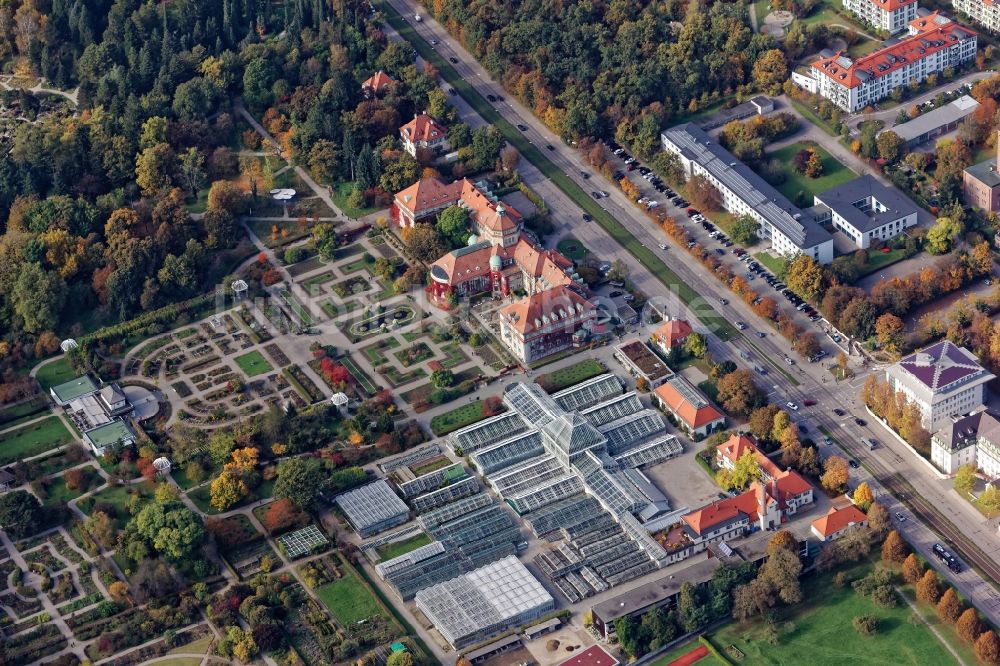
(596, 195)
(789, 360)
(808, 403)
(761, 334)
(587, 217)
(523, 128)
(549, 146)
(452, 91)
(872, 443)
(939, 549)
(900, 517)
(604, 194)
(853, 463)
(628, 298)
(492, 98)
(434, 42)
(585, 174)
(792, 406)
(803, 428)
(839, 412)
(663, 246)
(741, 325)
(614, 294)
(760, 370)
(861, 422)
(453, 60)
(724, 301)
(500, 98)
(604, 268)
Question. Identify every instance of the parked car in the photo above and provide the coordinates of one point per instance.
(861, 422)
(614, 294)
(523, 128)
(549, 146)
(792, 406)
(900, 517)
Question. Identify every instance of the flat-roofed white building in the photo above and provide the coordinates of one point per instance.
(866, 211)
(943, 380)
(791, 230)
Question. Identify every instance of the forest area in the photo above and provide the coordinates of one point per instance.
(95, 204)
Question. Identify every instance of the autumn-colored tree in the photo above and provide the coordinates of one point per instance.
(894, 549)
(888, 331)
(739, 394)
(988, 647)
(835, 473)
(969, 626)
(805, 277)
(119, 592)
(702, 194)
(863, 496)
(989, 501)
(630, 189)
(770, 70)
(782, 539)
(879, 521)
(244, 460)
(928, 587)
(949, 606)
(912, 569)
(761, 422)
(282, 515)
(842, 364)
(227, 489)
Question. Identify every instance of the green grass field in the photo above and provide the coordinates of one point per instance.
(834, 173)
(23, 411)
(348, 599)
(339, 194)
(823, 631)
(457, 418)
(570, 375)
(55, 373)
(770, 262)
(116, 496)
(33, 439)
(877, 260)
(571, 248)
(253, 364)
(58, 492)
(391, 550)
(644, 255)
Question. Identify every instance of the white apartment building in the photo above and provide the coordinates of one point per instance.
(867, 211)
(968, 440)
(943, 380)
(791, 230)
(889, 15)
(934, 43)
(984, 12)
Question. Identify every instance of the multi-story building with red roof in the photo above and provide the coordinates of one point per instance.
(425, 135)
(546, 323)
(935, 43)
(889, 15)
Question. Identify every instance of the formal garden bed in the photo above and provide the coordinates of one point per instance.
(375, 353)
(415, 354)
(466, 415)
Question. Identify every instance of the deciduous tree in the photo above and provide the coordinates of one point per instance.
(835, 473)
(805, 277)
(300, 480)
(739, 394)
(894, 549)
(969, 626)
(912, 570)
(928, 587)
(965, 479)
(863, 496)
(949, 607)
(988, 647)
(227, 489)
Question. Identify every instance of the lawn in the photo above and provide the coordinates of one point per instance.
(298, 309)
(834, 173)
(465, 415)
(571, 248)
(810, 115)
(23, 411)
(116, 496)
(772, 263)
(57, 492)
(277, 233)
(823, 630)
(348, 599)
(562, 378)
(31, 440)
(430, 466)
(877, 260)
(644, 255)
(55, 373)
(391, 550)
(253, 364)
(339, 194)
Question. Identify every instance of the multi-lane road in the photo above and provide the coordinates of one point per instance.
(928, 501)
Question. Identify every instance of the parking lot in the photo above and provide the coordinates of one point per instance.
(704, 232)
